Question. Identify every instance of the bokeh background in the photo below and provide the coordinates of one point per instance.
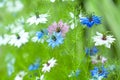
(70, 55)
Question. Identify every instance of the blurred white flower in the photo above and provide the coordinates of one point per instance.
(2, 3)
(80, 15)
(112, 67)
(10, 63)
(97, 78)
(14, 6)
(66, 0)
(71, 14)
(20, 75)
(15, 28)
(19, 39)
(40, 78)
(36, 19)
(21, 20)
(72, 21)
(52, 1)
(101, 39)
(4, 39)
(47, 66)
(98, 59)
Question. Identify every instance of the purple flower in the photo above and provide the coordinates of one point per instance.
(60, 27)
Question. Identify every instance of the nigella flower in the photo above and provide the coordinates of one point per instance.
(47, 66)
(111, 67)
(40, 36)
(72, 21)
(15, 28)
(4, 39)
(98, 59)
(2, 3)
(60, 27)
(35, 65)
(10, 64)
(52, 1)
(55, 40)
(40, 78)
(38, 18)
(90, 21)
(20, 75)
(74, 73)
(14, 6)
(19, 39)
(99, 73)
(101, 39)
(91, 51)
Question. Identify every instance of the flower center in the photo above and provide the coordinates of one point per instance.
(18, 37)
(48, 64)
(90, 19)
(20, 75)
(98, 57)
(37, 15)
(42, 31)
(58, 29)
(104, 37)
(100, 71)
(54, 38)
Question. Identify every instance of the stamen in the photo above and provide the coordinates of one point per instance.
(48, 64)
(18, 37)
(58, 29)
(90, 19)
(37, 15)
(54, 38)
(104, 37)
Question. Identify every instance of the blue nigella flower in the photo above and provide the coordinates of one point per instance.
(35, 65)
(91, 51)
(90, 21)
(41, 33)
(99, 72)
(55, 40)
(77, 73)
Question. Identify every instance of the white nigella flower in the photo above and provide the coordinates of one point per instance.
(65, 0)
(21, 20)
(4, 39)
(73, 21)
(2, 3)
(14, 6)
(98, 59)
(36, 19)
(52, 1)
(15, 28)
(19, 39)
(47, 66)
(101, 39)
(97, 78)
(72, 24)
(80, 15)
(40, 78)
(20, 75)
